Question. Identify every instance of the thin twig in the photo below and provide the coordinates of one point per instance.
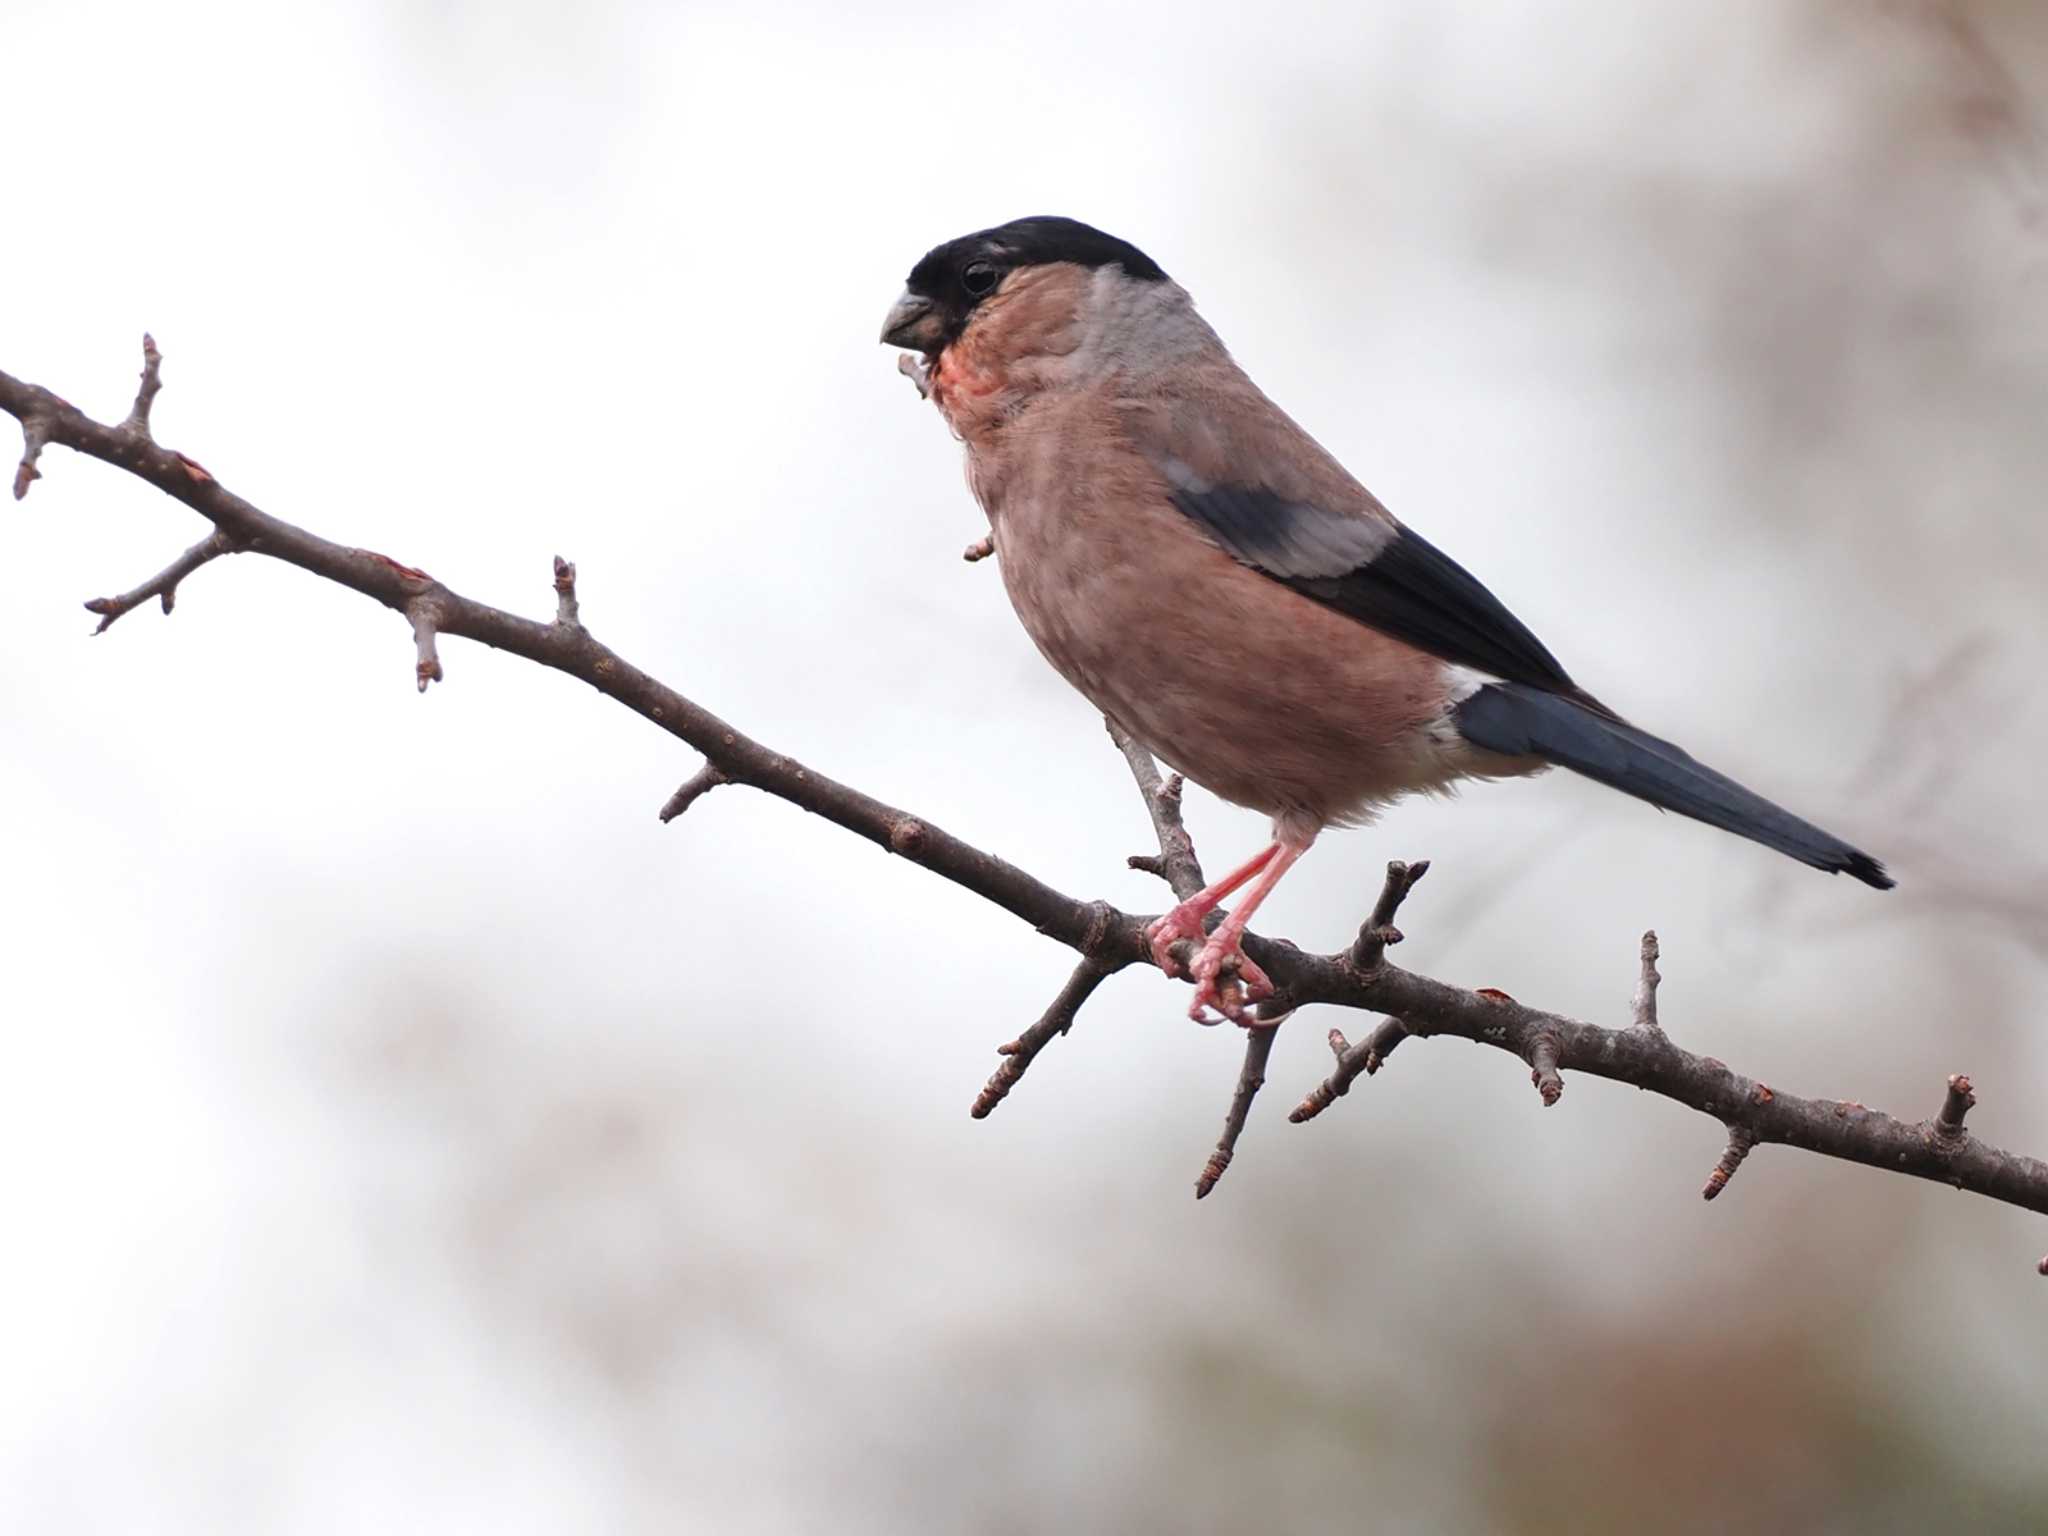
(1369, 949)
(426, 625)
(706, 778)
(1642, 1005)
(1258, 1045)
(35, 434)
(1366, 1058)
(567, 612)
(1960, 1099)
(1057, 1019)
(137, 423)
(1175, 863)
(1740, 1143)
(164, 584)
(1544, 1049)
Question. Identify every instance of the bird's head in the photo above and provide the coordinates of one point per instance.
(978, 276)
(1004, 315)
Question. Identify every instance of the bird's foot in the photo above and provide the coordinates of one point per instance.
(1228, 980)
(1186, 920)
(1183, 922)
(1225, 977)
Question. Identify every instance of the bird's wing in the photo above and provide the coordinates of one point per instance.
(1268, 493)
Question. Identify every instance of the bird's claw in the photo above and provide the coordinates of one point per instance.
(1228, 980)
(1183, 922)
(1225, 977)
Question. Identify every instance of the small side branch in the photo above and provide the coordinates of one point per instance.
(1958, 1102)
(1057, 1019)
(426, 626)
(35, 433)
(137, 424)
(1544, 1048)
(1258, 1046)
(567, 613)
(1369, 949)
(1642, 1006)
(980, 549)
(1740, 1143)
(1366, 1057)
(699, 783)
(164, 584)
(1175, 863)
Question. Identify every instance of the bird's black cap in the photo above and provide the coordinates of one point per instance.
(952, 279)
(1034, 242)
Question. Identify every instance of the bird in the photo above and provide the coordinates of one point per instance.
(1214, 581)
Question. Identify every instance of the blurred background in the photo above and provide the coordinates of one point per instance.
(401, 1130)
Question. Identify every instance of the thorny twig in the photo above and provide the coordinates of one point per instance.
(1106, 938)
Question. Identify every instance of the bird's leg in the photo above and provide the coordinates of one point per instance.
(1226, 945)
(1185, 920)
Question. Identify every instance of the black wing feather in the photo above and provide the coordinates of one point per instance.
(1390, 578)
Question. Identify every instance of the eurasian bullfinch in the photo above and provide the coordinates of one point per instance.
(1208, 576)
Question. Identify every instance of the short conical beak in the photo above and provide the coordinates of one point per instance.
(914, 323)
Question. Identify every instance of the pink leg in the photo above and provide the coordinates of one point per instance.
(1185, 920)
(1225, 944)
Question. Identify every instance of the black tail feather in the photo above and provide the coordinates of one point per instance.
(1520, 721)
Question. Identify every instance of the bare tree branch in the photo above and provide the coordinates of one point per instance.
(1107, 939)
(164, 584)
(1057, 1019)
(1258, 1045)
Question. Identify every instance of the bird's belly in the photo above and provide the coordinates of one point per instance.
(1253, 691)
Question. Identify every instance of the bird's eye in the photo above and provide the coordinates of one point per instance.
(978, 278)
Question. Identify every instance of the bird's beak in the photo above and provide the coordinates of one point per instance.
(914, 323)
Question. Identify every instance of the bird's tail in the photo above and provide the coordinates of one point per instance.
(1520, 721)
